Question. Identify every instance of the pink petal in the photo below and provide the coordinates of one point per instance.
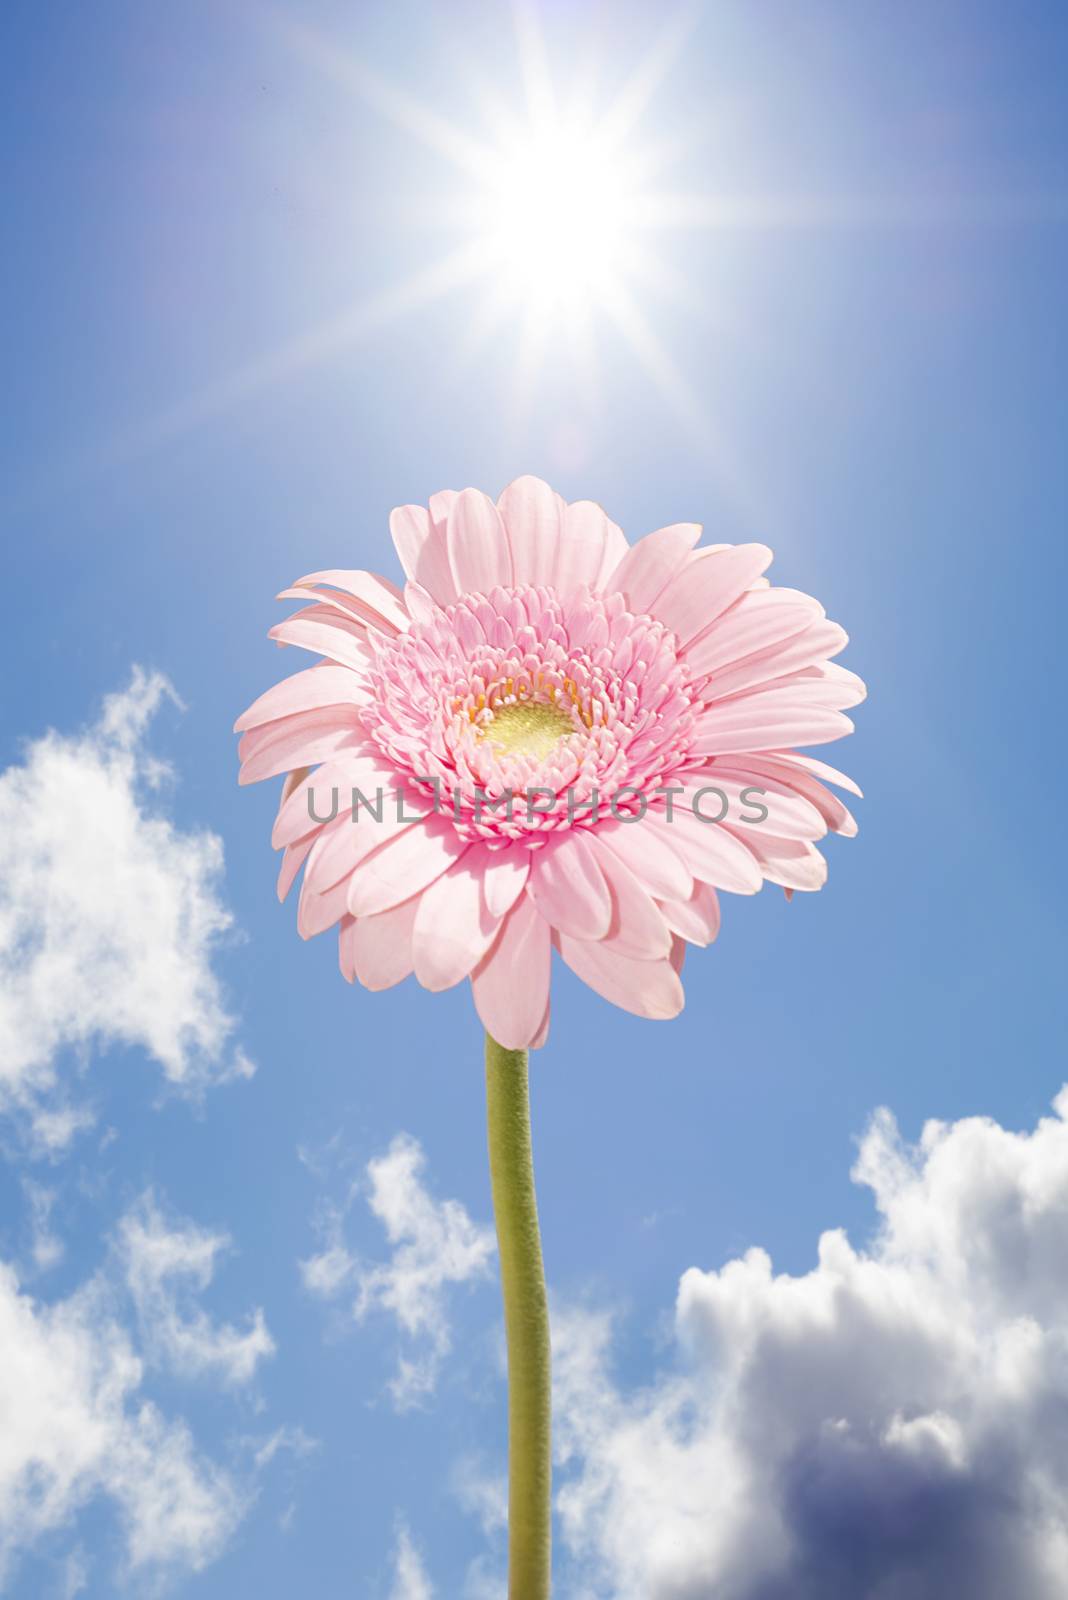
(760, 770)
(815, 644)
(324, 638)
(403, 866)
(569, 889)
(317, 912)
(440, 506)
(299, 741)
(345, 958)
(649, 856)
(696, 918)
(828, 687)
(421, 548)
(788, 814)
(308, 690)
(761, 619)
(511, 983)
(532, 514)
(591, 547)
(293, 859)
(763, 722)
(649, 566)
(294, 820)
(819, 769)
(789, 862)
(710, 851)
(328, 605)
(504, 878)
(376, 599)
(849, 689)
(453, 930)
(421, 606)
(381, 945)
(343, 844)
(710, 581)
(637, 929)
(644, 988)
(479, 553)
(543, 1032)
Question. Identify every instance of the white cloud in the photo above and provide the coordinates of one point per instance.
(75, 1576)
(77, 1426)
(76, 1429)
(435, 1244)
(332, 1268)
(294, 1440)
(110, 916)
(888, 1426)
(165, 1267)
(410, 1580)
(46, 1247)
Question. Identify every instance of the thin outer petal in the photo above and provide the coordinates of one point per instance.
(697, 918)
(816, 644)
(532, 514)
(322, 637)
(649, 856)
(479, 554)
(649, 566)
(378, 601)
(421, 548)
(760, 620)
(504, 878)
(763, 722)
(309, 690)
(591, 546)
(511, 983)
(569, 889)
(403, 866)
(637, 929)
(710, 851)
(645, 988)
(453, 930)
(710, 582)
(382, 945)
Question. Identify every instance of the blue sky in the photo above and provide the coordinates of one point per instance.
(868, 360)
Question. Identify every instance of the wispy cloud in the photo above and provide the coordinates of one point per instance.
(889, 1423)
(410, 1580)
(46, 1247)
(76, 1428)
(78, 1425)
(166, 1265)
(110, 917)
(435, 1245)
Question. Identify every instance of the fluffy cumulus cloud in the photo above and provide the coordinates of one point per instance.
(110, 916)
(889, 1426)
(435, 1245)
(166, 1266)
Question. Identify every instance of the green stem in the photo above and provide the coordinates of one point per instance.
(526, 1322)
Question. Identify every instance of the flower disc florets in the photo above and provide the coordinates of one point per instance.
(517, 697)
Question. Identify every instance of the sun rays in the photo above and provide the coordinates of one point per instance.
(555, 230)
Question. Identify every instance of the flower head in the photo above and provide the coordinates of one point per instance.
(547, 737)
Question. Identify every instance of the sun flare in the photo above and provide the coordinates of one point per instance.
(555, 217)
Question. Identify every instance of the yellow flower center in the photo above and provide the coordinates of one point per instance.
(529, 727)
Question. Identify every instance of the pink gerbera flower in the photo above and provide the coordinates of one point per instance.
(547, 737)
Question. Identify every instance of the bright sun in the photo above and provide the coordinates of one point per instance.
(555, 222)
(554, 218)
